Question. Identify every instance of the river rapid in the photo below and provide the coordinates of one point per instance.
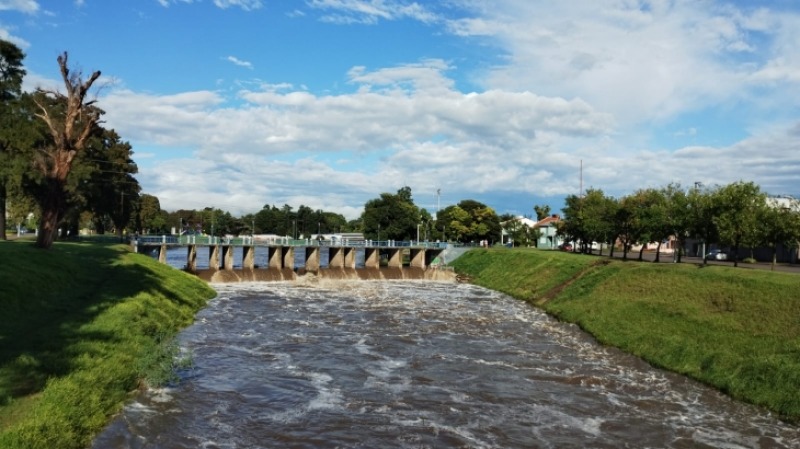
(419, 365)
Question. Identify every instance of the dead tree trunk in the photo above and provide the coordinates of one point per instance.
(69, 130)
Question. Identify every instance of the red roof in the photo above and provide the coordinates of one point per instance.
(547, 221)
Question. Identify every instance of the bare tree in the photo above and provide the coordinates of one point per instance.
(70, 120)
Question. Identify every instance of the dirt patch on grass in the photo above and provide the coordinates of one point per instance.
(555, 291)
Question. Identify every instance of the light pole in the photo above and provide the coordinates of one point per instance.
(319, 229)
(294, 235)
(417, 233)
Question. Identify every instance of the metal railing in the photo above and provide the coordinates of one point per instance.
(202, 240)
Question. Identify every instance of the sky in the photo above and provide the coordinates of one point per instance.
(238, 104)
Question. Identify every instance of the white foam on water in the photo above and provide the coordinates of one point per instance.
(549, 417)
(724, 439)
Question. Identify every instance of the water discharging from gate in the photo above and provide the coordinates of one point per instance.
(419, 365)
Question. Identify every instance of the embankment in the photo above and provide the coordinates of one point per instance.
(734, 329)
(82, 325)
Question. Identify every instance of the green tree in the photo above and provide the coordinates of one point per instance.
(453, 221)
(110, 190)
(625, 226)
(780, 225)
(572, 227)
(519, 233)
(650, 218)
(596, 218)
(542, 212)
(392, 216)
(737, 218)
(149, 215)
(703, 208)
(70, 120)
(482, 222)
(678, 215)
(11, 75)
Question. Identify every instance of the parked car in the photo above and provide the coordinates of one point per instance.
(565, 247)
(717, 254)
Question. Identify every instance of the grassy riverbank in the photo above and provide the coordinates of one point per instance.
(735, 329)
(81, 326)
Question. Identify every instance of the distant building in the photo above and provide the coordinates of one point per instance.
(548, 232)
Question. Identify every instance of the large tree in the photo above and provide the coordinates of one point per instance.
(392, 216)
(70, 120)
(703, 208)
(780, 225)
(149, 216)
(11, 74)
(678, 216)
(740, 206)
(470, 221)
(110, 191)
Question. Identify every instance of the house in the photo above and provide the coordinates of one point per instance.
(548, 232)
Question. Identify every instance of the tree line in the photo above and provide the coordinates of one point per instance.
(738, 216)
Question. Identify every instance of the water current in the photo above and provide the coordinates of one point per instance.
(419, 365)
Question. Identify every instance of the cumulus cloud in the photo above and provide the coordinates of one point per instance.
(641, 61)
(406, 123)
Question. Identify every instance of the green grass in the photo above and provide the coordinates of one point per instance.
(82, 325)
(737, 330)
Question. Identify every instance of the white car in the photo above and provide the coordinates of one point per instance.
(717, 254)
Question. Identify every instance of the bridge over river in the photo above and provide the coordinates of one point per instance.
(281, 255)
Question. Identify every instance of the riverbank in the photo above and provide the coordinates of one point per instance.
(736, 330)
(82, 326)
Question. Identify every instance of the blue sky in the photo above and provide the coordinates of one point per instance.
(328, 103)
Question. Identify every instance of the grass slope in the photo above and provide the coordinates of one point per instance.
(79, 328)
(735, 329)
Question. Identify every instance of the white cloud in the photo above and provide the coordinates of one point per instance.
(641, 61)
(239, 62)
(405, 123)
(247, 5)
(166, 3)
(372, 11)
(18, 41)
(24, 6)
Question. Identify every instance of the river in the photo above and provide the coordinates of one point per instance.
(419, 365)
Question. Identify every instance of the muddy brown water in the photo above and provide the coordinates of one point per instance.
(399, 364)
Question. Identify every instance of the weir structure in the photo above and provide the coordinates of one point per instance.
(341, 253)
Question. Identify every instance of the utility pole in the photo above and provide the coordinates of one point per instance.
(438, 201)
